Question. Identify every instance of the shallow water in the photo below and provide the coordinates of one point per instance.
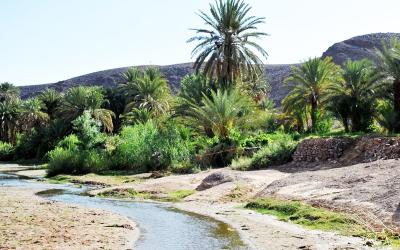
(161, 226)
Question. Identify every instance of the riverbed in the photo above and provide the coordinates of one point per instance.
(161, 226)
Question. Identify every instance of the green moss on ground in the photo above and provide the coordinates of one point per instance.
(320, 219)
(130, 193)
(93, 179)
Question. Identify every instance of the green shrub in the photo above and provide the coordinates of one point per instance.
(144, 147)
(276, 153)
(220, 153)
(241, 164)
(70, 142)
(94, 161)
(74, 161)
(88, 131)
(64, 161)
(27, 145)
(6, 151)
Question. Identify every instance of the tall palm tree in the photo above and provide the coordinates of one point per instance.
(8, 91)
(309, 86)
(79, 99)
(51, 99)
(221, 112)
(226, 49)
(10, 111)
(389, 56)
(146, 89)
(354, 98)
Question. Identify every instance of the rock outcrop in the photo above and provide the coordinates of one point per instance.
(215, 179)
(359, 47)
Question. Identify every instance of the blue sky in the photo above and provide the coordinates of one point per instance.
(43, 41)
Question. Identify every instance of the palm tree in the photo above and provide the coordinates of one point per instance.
(221, 112)
(387, 117)
(309, 86)
(193, 88)
(227, 49)
(389, 56)
(257, 87)
(8, 91)
(77, 100)
(354, 98)
(32, 115)
(136, 116)
(146, 89)
(10, 111)
(51, 100)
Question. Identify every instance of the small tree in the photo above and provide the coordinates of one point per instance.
(353, 100)
(389, 56)
(309, 86)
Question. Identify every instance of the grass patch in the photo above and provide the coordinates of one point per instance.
(130, 193)
(92, 179)
(321, 219)
(241, 164)
(178, 195)
(59, 179)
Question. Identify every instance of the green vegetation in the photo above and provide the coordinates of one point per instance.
(6, 151)
(320, 219)
(220, 116)
(129, 193)
(276, 153)
(103, 179)
(306, 215)
(309, 88)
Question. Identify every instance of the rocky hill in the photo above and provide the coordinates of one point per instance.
(355, 48)
(359, 47)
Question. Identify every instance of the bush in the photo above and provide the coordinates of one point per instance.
(276, 153)
(220, 154)
(144, 147)
(88, 131)
(74, 161)
(6, 151)
(241, 164)
(94, 161)
(28, 144)
(64, 161)
(70, 142)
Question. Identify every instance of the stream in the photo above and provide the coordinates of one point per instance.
(161, 226)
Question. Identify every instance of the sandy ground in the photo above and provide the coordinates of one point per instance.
(28, 221)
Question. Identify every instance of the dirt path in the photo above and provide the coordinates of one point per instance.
(31, 222)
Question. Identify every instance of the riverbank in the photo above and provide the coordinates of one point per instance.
(31, 222)
(222, 193)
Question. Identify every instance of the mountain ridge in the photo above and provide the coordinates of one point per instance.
(355, 48)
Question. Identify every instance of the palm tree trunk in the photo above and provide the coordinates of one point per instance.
(314, 111)
(396, 97)
(345, 124)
